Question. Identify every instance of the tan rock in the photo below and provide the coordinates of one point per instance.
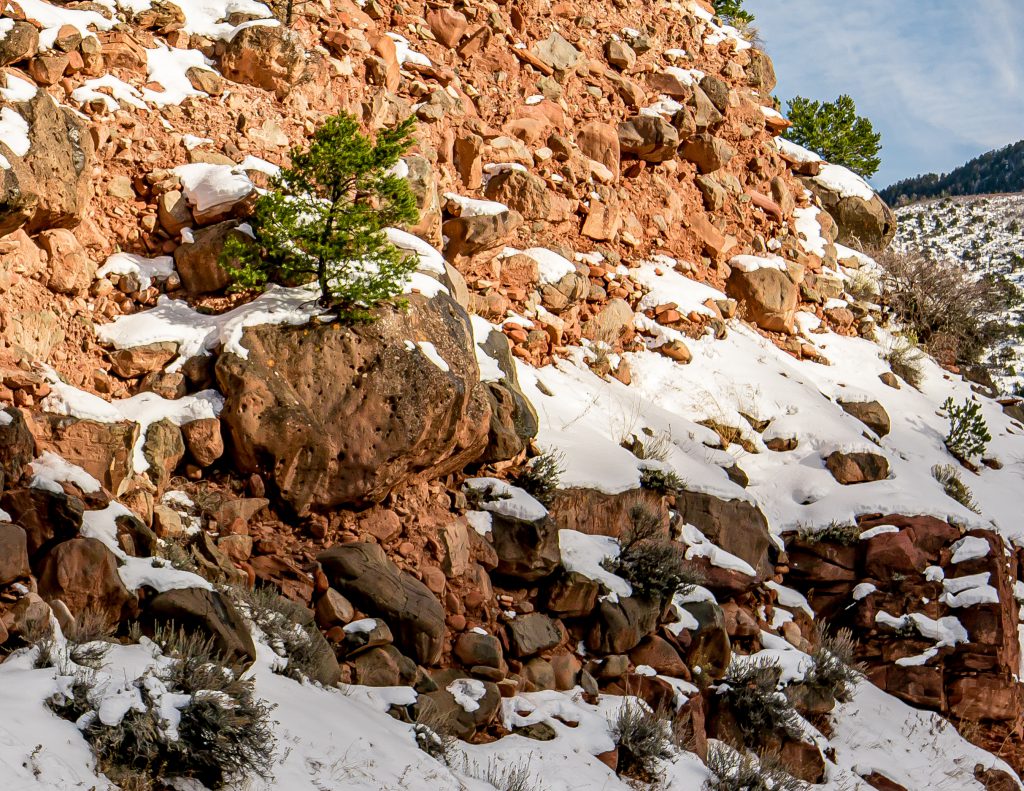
(271, 58)
(70, 268)
(447, 25)
(83, 574)
(203, 440)
(600, 142)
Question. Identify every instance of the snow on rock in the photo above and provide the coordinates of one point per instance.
(664, 285)
(208, 187)
(551, 265)
(136, 572)
(205, 17)
(145, 409)
(405, 54)
(586, 555)
(17, 90)
(501, 497)
(468, 692)
(880, 530)
(844, 182)
(50, 470)
(863, 590)
(147, 269)
(969, 548)
(430, 260)
(119, 91)
(480, 521)
(474, 207)
(167, 66)
(14, 131)
(809, 230)
(969, 591)
(197, 334)
(700, 547)
(794, 152)
(751, 263)
(788, 597)
(946, 631)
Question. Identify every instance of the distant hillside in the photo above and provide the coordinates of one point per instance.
(986, 233)
(997, 171)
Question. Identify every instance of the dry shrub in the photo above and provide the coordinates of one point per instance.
(953, 313)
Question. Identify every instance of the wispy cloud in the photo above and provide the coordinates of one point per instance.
(941, 79)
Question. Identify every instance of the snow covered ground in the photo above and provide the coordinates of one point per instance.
(343, 740)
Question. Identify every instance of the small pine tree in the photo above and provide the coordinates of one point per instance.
(733, 12)
(836, 132)
(324, 219)
(968, 433)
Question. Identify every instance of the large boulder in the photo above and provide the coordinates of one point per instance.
(768, 294)
(707, 152)
(104, 450)
(619, 626)
(760, 72)
(364, 574)
(47, 185)
(269, 57)
(523, 192)
(82, 573)
(737, 526)
(871, 413)
(198, 262)
(467, 236)
(649, 138)
(857, 467)
(710, 649)
(532, 633)
(209, 613)
(338, 414)
(600, 142)
(864, 220)
(20, 42)
(71, 270)
(527, 550)
(47, 517)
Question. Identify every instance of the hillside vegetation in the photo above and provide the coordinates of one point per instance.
(997, 171)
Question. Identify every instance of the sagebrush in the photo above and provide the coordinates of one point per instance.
(954, 487)
(733, 771)
(288, 633)
(659, 479)
(653, 564)
(834, 668)
(222, 734)
(643, 737)
(540, 477)
(751, 691)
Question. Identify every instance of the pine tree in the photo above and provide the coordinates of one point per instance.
(732, 12)
(836, 132)
(324, 219)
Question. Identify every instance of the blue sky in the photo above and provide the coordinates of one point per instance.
(942, 80)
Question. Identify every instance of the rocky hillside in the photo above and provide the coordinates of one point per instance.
(986, 234)
(997, 171)
(595, 508)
